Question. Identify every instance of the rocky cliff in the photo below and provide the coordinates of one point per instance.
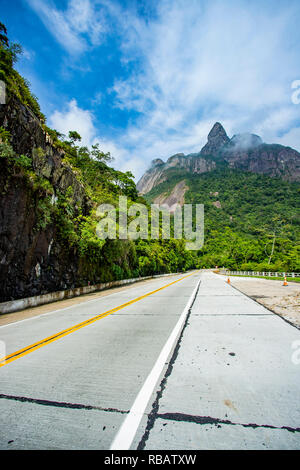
(33, 260)
(246, 152)
(216, 139)
(158, 171)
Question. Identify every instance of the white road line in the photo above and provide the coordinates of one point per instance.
(127, 431)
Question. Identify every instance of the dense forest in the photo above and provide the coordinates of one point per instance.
(252, 221)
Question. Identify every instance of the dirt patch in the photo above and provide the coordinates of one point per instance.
(284, 300)
(174, 198)
(230, 405)
(217, 204)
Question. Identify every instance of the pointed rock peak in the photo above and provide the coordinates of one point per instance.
(216, 139)
(217, 131)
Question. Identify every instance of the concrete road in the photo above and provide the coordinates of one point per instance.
(182, 362)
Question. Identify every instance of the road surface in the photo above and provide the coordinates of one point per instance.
(180, 362)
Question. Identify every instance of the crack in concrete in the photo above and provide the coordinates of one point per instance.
(59, 404)
(209, 420)
(155, 406)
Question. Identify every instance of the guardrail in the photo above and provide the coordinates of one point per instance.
(259, 273)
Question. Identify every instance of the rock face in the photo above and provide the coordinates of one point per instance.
(216, 139)
(271, 159)
(157, 173)
(246, 152)
(176, 197)
(32, 260)
(152, 177)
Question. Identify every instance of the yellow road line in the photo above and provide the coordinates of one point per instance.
(28, 349)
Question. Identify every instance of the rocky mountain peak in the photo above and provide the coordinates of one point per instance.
(243, 151)
(217, 131)
(216, 139)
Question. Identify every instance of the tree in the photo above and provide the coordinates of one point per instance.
(99, 155)
(126, 183)
(9, 52)
(3, 35)
(74, 137)
(277, 228)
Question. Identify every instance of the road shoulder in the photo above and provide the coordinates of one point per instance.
(280, 299)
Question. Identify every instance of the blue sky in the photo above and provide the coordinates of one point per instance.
(148, 79)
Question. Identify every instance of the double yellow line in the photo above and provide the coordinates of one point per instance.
(28, 349)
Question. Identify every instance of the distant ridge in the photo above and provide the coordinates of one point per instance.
(244, 151)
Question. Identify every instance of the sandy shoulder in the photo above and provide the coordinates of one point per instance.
(283, 300)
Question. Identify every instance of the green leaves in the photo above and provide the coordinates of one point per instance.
(15, 83)
(4, 135)
(23, 161)
(7, 152)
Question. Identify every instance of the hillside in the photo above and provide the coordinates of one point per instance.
(252, 220)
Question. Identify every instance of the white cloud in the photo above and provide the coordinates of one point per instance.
(277, 122)
(190, 64)
(27, 54)
(74, 118)
(76, 28)
(210, 61)
(290, 138)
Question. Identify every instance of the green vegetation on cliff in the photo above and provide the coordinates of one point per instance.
(15, 83)
(64, 201)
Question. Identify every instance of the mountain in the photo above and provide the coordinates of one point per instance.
(245, 151)
(251, 220)
(251, 196)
